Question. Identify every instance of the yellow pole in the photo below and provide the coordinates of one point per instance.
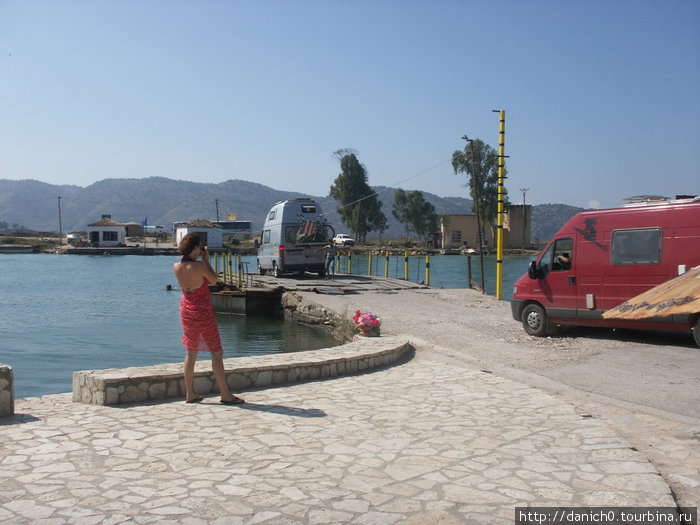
(240, 271)
(501, 194)
(405, 265)
(427, 270)
(386, 265)
(216, 265)
(369, 266)
(230, 268)
(349, 262)
(223, 267)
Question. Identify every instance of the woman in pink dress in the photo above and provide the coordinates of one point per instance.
(199, 330)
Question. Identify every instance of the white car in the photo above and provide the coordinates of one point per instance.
(343, 240)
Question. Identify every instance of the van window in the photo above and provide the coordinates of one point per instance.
(271, 216)
(266, 236)
(562, 257)
(638, 246)
(308, 208)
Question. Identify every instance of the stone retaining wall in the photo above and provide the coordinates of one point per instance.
(7, 392)
(153, 383)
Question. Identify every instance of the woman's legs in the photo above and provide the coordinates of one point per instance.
(217, 365)
(190, 360)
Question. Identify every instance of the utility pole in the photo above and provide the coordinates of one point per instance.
(475, 179)
(217, 209)
(524, 190)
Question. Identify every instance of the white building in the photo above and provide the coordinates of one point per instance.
(106, 232)
(209, 233)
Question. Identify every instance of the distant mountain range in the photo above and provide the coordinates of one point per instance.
(34, 205)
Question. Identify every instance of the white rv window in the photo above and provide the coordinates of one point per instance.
(266, 236)
(308, 208)
(638, 246)
(271, 216)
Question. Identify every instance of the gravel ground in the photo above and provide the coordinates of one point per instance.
(647, 385)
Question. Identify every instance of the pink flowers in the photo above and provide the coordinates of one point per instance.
(367, 324)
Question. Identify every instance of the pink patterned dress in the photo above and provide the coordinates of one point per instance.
(199, 330)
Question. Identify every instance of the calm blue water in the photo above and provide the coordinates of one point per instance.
(60, 313)
(446, 271)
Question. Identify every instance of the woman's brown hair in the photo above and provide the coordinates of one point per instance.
(188, 243)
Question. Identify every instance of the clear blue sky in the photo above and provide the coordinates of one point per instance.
(601, 97)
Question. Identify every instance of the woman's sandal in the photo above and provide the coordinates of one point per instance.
(234, 401)
(196, 399)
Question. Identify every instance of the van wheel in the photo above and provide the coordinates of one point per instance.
(278, 272)
(696, 331)
(261, 271)
(534, 320)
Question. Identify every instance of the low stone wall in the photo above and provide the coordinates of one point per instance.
(154, 383)
(7, 391)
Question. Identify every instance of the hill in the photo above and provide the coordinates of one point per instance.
(34, 205)
(548, 218)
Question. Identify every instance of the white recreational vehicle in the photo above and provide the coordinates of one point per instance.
(293, 237)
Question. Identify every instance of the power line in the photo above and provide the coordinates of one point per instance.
(397, 183)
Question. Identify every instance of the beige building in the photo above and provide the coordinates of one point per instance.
(461, 231)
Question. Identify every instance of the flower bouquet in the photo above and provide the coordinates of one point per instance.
(367, 324)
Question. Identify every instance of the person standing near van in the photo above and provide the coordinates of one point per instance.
(331, 252)
(200, 332)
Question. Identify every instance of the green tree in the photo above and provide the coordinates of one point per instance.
(414, 212)
(360, 209)
(400, 210)
(485, 178)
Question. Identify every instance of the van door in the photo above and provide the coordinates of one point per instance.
(556, 283)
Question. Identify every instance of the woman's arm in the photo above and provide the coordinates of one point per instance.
(207, 270)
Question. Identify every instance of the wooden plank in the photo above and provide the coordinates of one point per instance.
(680, 295)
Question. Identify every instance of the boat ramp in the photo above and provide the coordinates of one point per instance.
(262, 294)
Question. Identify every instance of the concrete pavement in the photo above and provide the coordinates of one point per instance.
(429, 440)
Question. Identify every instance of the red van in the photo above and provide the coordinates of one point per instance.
(602, 258)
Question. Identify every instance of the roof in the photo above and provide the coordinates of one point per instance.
(106, 222)
(680, 295)
(199, 223)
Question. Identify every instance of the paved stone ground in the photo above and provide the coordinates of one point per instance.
(429, 440)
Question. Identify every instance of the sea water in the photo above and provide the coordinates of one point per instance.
(61, 313)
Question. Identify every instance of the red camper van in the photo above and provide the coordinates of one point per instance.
(602, 258)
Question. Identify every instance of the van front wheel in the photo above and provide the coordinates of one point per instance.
(534, 320)
(696, 331)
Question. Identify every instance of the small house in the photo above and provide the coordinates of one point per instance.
(106, 232)
(210, 233)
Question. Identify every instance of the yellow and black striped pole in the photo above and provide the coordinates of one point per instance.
(501, 197)
(230, 269)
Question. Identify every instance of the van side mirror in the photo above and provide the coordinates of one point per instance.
(532, 271)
